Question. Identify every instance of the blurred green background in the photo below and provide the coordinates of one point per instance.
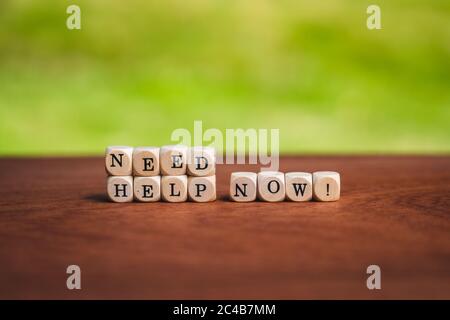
(137, 70)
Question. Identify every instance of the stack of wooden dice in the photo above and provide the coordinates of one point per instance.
(171, 173)
(178, 173)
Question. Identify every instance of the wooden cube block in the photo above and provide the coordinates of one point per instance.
(271, 186)
(326, 186)
(298, 186)
(202, 189)
(174, 188)
(147, 189)
(120, 188)
(146, 161)
(243, 186)
(202, 161)
(118, 160)
(173, 160)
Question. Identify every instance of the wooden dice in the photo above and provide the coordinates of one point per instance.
(173, 160)
(120, 188)
(299, 186)
(146, 161)
(202, 189)
(147, 189)
(174, 188)
(243, 186)
(273, 186)
(202, 162)
(118, 161)
(177, 173)
(326, 186)
(135, 173)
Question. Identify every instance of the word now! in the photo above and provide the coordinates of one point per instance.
(178, 173)
(275, 186)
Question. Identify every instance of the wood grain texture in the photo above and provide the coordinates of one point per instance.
(394, 212)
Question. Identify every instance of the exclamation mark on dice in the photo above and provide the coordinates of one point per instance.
(326, 185)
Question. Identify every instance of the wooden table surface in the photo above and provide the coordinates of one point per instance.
(393, 212)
